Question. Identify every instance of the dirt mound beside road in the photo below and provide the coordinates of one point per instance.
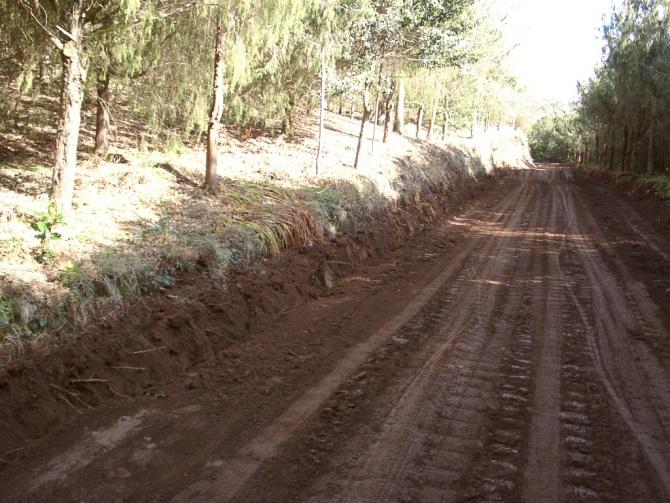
(164, 335)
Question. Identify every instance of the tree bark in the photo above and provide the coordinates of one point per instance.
(387, 124)
(366, 116)
(624, 150)
(216, 110)
(587, 152)
(634, 149)
(610, 163)
(399, 122)
(474, 129)
(351, 110)
(419, 120)
(445, 126)
(377, 103)
(651, 152)
(72, 94)
(102, 116)
(388, 107)
(432, 123)
(322, 102)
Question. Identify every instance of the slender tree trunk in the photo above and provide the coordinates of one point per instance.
(387, 124)
(72, 95)
(102, 116)
(605, 148)
(366, 116)
(419, 120)
(340, 105)
(445, 126)
(374, 121)
(399, 122)
(651, 152)
(634, 149)
(388, 109)
(610, 163)
(322, 102)
(216, 110)
(624, 150)
(586, 152)
(351, 110)
(377, 103)
(597, 149)
(432, 123)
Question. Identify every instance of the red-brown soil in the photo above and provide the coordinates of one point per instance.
(517, 350)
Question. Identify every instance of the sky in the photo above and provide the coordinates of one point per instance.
(556, 43)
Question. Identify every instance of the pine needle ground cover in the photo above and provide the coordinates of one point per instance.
(140, 223)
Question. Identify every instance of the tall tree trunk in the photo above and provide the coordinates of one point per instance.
(597, 149)
(432, 123)
(651, 152)
(72, 94)
(605, 148)
(611, 141)
(634, 149)
(374, 120)
(216, 110)
(102, 116)
(366, 116)
(351, 110)
(322, 102)
(474, 128)
(624, 150)
(445, 126)
(587, 152)
(419, 120)
(377, 103)
(388, 106)
(399, 122)
(340, 105)
(387, 123)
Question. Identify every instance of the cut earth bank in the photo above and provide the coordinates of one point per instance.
(204, 318)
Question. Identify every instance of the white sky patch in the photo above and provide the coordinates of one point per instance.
(558, 42)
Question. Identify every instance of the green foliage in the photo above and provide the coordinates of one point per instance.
(6, 312)
(553, 138)
(623, 109)
(45, 224)
(70, 274)
(662, 184)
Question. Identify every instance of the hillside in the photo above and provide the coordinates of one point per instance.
(140, 223)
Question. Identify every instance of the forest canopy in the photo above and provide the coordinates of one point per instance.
(186, 69)
(621, 113)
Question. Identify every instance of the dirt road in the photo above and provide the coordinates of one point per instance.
(520, 353)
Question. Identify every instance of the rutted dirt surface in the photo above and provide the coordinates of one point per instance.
(518, 352)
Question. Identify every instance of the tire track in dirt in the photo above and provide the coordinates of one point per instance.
(234, 472)
(527, 373)
(620, 313)
(522, 455)
(429, 437)
(542, 473)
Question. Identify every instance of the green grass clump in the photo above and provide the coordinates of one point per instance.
(661, 184)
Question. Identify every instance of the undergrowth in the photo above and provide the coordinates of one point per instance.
(661, 183)
(166, 225)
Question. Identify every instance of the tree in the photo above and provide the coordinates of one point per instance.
(66, 25)
(216, 112)
(622, 109)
